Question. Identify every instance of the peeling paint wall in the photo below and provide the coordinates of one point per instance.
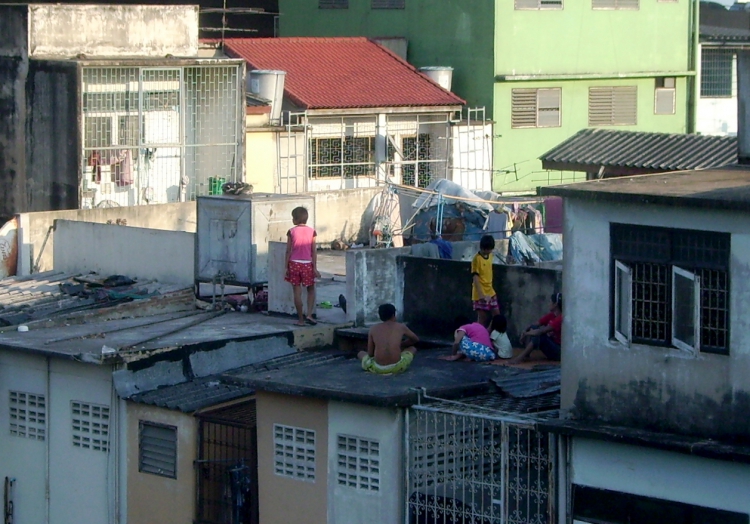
(656, 388)
(14, 64)
(113, 30)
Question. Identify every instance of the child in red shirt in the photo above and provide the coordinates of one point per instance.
(301, 264)
(546, 335)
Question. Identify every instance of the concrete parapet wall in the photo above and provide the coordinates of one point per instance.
(146, 254)
(437, 291)
(280, 296)
(59, 30)
(344, 214)
(37, 237)
(373, 277)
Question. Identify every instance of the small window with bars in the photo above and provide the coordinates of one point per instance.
(536, 107)
(157, 449)
(388, 4)
(538, 4)
(90, 426)
(665, 94)
(28, 415)
(358, 463)
(294, 452)
(717, 73)
(615, 4)
(613, 106)
(671, 288)
(333, 4)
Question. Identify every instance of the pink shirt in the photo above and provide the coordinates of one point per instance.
(477, 333)
(302, 238)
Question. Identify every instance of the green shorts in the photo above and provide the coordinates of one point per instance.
(369, 364)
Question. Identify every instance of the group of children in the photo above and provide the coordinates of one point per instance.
(391, 345)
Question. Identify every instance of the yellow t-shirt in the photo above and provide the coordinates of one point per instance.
(483, 267)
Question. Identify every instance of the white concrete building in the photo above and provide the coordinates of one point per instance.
(655, 361)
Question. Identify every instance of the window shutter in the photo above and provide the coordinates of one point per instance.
(686, 309)
(158, 449)
(550, 4)
(388, 4)
(664, 101)
(548, 107)
(623, 302)
(527, 4)
(615, 4)
(538, 4)
(613, 106)
(333, 4)
(523, 107)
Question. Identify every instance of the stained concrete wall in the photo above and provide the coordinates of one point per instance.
(657, 388)
(14, 65)
(146, 254)
(285, 500)
(344, 214)
(62, 30)
(37, 237)
(661, 474)
(147, 492)
(437, 291)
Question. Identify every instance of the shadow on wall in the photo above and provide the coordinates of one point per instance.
(438, 291)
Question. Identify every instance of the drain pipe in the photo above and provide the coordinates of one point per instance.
(47, 441)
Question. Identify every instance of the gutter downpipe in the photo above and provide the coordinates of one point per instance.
(694, 81)
(47, 442)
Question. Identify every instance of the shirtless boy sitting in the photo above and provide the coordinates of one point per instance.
(390, 345)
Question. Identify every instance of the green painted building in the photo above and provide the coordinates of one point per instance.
(544, 69)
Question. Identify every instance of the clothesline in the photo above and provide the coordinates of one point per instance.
(420, 191)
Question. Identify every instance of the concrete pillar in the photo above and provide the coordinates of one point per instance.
(743, 106)
(381, 149)
(280, 296)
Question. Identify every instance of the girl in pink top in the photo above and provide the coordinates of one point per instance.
(301, 264)
(472, 341)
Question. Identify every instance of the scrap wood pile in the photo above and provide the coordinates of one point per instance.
(53, 294)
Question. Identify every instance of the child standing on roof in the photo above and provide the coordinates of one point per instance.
(483, 294)
(301, 264)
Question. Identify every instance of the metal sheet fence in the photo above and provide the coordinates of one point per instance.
(157, 135)
(478, 468)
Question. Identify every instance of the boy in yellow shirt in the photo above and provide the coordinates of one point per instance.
(483, 294)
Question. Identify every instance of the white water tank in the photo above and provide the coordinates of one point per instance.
(268, 84)
(442, 76)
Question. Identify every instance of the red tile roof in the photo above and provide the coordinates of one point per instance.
(337, 73)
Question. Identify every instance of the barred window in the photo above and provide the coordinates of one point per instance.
(347, 157)
(717, 73)
(415, 157)
(28, 415)
(671, 287)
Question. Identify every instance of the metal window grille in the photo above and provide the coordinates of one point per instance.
(28, 415)
(90, 426)
(358, 463)
(156, 135)
(333, 4)
(227, 466)
(538, 4)
(651, 253)
(613, 106)
(341, 147)
(388, 4)
(157, 449)
(294, 452)
(717, 73)
(615, 4)
(417, 148)
(466, 465)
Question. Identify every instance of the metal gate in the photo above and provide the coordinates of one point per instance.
(158, 135)
(468, 465)
(227, 468)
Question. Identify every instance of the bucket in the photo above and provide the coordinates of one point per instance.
(214, 185)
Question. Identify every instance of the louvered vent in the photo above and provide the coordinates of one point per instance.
(613, 106)
(333, 4)
(535, 107)
(539, 4)
(157, 449)
(388, 4)
(615, 4)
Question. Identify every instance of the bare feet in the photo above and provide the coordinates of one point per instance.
(458, 356)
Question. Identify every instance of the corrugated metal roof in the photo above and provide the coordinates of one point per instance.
(646, 152)
(716, 33)
(338, 73)
(528, 384)
(194, 395)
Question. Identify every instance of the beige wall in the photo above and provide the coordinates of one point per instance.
(261, 157)
(344, 214)
(152, 498)
(285, 500)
